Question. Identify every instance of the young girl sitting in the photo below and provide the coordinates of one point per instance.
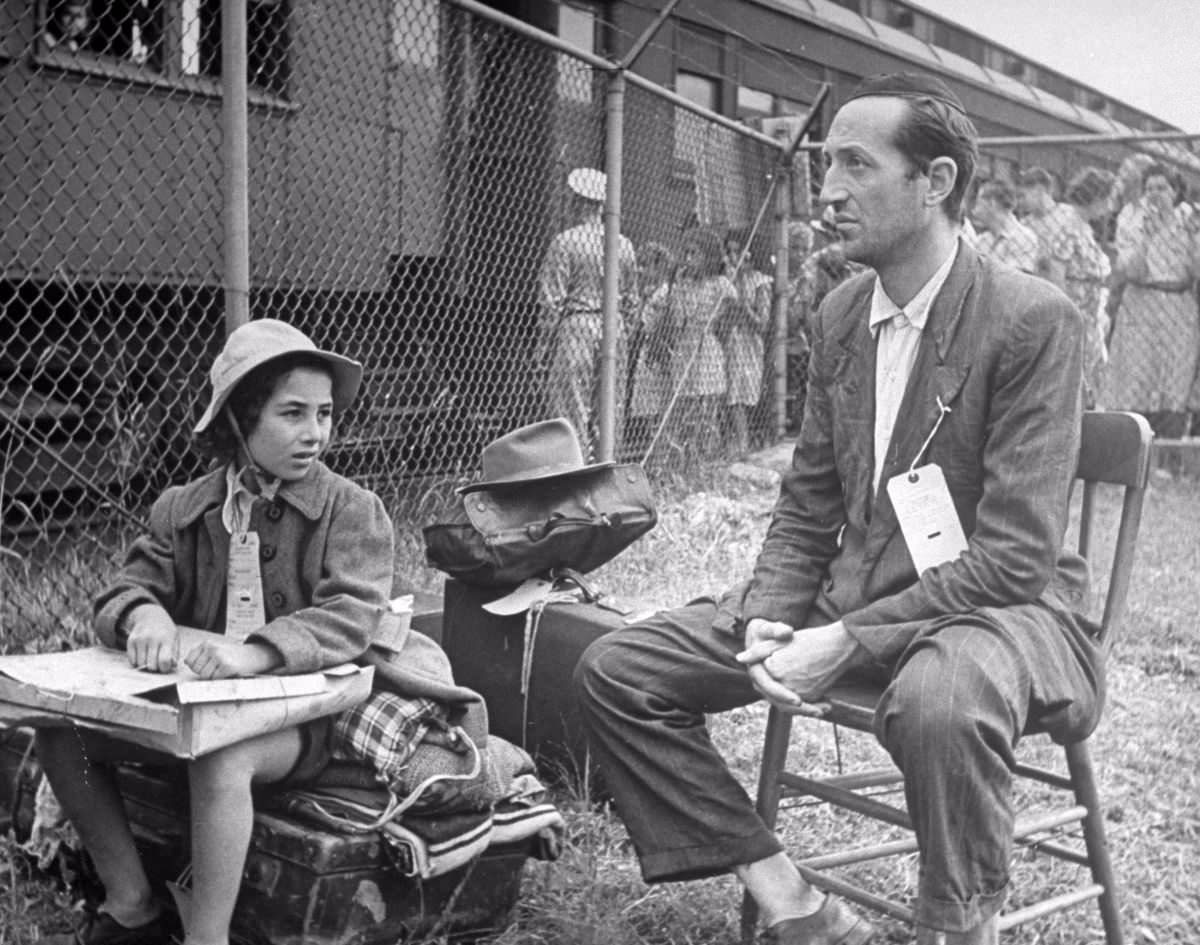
(290, 561)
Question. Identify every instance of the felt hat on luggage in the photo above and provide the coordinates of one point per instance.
(254, 344)
(548, 449)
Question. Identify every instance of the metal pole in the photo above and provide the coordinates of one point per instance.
(783, 195)
(1099, 137)
(783, 215)
(611, 406)
(614, 140)
(744, 131)
(236, 174)
(559, 45)
(521, 28)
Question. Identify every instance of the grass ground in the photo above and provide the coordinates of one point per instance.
(1145, 751)
(710, 528)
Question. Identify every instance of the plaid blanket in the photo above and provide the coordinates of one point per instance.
(384, 731)
(427, 764)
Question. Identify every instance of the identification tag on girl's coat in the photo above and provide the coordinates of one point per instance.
(244, 611)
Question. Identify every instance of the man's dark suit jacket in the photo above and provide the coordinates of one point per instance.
(1003, 351)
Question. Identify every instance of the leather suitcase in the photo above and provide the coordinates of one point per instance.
(306, 886)
(427, 614)
(487, 653)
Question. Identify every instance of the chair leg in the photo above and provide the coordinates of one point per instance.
(1083, 780)
(774, 757)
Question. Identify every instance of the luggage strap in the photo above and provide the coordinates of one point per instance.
(560, 592)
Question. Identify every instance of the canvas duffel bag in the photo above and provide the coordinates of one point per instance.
(503, 535)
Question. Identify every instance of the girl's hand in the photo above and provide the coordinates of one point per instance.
(152, 641)
(226, 660)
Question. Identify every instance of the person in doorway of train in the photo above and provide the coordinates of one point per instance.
(977, 641)
(290, 562)
(571, 287)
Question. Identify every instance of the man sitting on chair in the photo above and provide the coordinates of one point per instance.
(943, 397)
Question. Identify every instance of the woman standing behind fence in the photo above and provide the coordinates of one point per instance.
(649, 351)
(701, 297)
(1156, 338)
(741, 333)
(1086, 268)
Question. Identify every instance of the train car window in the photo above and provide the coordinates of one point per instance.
(958, 41)
(699, 50)
(892, 13)
(791, 106)
(754, 103)
(698, 89)
(922, 27)
(10, 31)
(689, 128)
(577, 25)
(266, 42)
(129, 31)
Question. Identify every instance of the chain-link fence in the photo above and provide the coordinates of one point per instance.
(409, 197)
(411, 203)
(1114, 223)
(1118, 231)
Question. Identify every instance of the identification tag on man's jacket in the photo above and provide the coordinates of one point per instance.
(927, 517)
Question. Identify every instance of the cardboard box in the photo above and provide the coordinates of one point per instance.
(177, 713)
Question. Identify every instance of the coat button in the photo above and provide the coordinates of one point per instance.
(274, 512)
(268, 552)
(277, 599)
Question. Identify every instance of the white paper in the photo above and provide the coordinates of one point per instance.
(106, 673)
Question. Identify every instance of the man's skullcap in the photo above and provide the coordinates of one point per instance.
(907, 85)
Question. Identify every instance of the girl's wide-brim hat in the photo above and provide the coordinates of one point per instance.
(254, 344)
(548, 449)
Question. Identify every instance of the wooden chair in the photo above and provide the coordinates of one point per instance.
(1115, 450)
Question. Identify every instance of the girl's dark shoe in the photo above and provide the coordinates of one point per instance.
(100, 928)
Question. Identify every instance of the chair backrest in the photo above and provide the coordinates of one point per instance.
(1114, 450)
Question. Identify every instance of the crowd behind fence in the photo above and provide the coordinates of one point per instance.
(1125, 247)
(407, 190)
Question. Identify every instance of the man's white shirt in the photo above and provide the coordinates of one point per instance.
(899, 334)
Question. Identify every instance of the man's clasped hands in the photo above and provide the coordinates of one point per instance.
(793, 669)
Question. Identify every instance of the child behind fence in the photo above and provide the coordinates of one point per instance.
(702, 300)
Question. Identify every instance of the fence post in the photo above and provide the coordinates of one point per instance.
(780, 320)
(614, 142)
(235, 164)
